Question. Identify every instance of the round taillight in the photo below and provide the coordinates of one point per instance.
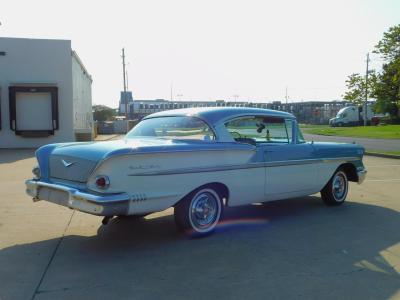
(102, 182)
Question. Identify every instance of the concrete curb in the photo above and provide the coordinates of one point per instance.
(382, 155)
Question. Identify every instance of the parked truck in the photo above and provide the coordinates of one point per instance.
(351, 116)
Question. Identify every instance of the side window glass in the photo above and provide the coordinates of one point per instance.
(276, 130)
(289, 129)
(300, 138)
(256, 129)
(244, 130)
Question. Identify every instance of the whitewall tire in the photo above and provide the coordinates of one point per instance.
(335, 191)
(199, 212)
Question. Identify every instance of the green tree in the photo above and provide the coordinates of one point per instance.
(389, 46)
(103, 113)
(387, 90)
(385, 85)
(355, 84)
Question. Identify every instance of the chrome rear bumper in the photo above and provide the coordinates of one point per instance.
(100, 205)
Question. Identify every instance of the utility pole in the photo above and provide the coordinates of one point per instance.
(286, 96)
(125, 100)
(366, 92)
(127, 81)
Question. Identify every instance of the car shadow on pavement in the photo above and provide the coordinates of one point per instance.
(12, 155)
(295, 248)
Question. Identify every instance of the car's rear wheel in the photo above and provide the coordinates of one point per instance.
(199, 212)
(335, 191)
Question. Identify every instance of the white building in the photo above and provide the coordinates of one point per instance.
(145, 107)
(45, 93)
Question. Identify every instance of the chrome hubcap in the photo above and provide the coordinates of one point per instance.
(204, 210)
(339, 186)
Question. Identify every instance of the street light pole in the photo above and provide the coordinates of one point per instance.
(235, 97)
(286, 95)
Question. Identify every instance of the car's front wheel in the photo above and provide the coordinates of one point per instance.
(335, 191)
(199, 212)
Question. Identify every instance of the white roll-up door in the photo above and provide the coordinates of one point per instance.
(33, 111)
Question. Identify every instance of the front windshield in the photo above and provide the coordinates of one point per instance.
(187, 128)
(340, 113)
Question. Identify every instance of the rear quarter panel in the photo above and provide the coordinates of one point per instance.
(157, 181)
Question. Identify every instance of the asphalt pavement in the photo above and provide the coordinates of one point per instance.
(369, 144)
(290, 249)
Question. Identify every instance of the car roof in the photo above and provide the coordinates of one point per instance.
(215, 114)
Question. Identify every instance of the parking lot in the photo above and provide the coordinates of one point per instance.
(295, 248)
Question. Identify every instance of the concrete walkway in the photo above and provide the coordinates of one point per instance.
(369, 144)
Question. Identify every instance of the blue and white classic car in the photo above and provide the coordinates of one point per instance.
(197, 161)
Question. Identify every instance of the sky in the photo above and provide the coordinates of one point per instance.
(212, 49)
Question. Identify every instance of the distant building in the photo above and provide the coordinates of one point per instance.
(125, 97)
(313, 112)
(45, 93)
(141, 108)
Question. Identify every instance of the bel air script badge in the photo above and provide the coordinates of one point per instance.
(144, 167)
(67, 164)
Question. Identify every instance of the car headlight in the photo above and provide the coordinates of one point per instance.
(36, 172)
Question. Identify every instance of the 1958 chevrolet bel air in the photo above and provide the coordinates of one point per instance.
(197, 161)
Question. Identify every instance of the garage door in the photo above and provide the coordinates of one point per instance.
(33, 111)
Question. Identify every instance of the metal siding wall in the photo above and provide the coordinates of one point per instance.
(82, 98)
(41, 62)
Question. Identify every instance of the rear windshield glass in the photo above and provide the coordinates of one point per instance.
(189, 128)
